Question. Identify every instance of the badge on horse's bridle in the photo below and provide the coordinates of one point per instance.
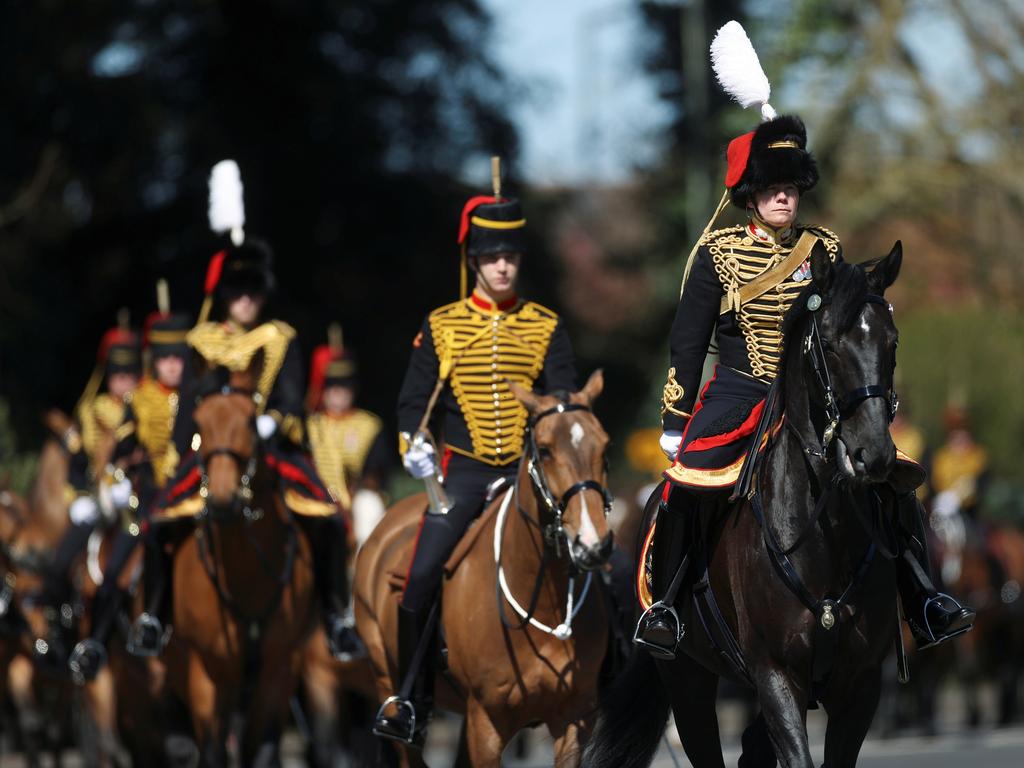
(828, 619)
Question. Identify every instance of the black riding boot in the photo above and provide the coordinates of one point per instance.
(89, 655)
(57, 595)
(934, 617)
(659, 629)
(410, 709)
(147, 635)
(327, 540)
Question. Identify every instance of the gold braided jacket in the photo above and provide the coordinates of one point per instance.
(101, 416)
(155, 408)
(739, 258)
(488, 348)
(226, 344)
(340, 445)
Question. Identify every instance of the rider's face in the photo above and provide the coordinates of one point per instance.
(777, 205)
(497, 272)
(245, 308)
(169, 369)
(337, 399)
(120, 384)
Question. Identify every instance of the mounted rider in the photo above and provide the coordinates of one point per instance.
(239, 281)
(350, 449)
(463, 359)
(99, 415)
(738, 286)
(145, 458)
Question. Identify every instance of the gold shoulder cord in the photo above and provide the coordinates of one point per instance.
(235, 351)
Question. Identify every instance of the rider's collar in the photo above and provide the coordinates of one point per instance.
(759, 230)
(482, 302)
(233, 326)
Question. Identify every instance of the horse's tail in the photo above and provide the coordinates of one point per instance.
(634, 710)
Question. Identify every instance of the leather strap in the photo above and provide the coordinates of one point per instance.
(765, 282)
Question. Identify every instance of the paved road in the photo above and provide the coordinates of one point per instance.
(986, 749)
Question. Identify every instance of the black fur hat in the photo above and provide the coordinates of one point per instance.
(774, 153)
(496, 228)
(247, 267)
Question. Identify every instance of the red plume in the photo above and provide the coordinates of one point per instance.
(737, 156)
(467, 210)
(319, 361)
(112, 337)
(213, 272)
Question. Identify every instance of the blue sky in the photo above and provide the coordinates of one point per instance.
(589, 112)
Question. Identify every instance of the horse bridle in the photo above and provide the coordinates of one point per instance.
(243, 496)
(554, 532)
(838, 408)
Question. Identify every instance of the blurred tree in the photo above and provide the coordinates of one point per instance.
(351, 122)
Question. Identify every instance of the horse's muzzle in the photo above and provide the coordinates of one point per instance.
(590, 558)
(861, 465)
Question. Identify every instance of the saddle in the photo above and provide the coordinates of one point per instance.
(397, 575)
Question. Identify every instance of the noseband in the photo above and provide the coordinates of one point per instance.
(243, 496)
(838, 408)
(554, 532)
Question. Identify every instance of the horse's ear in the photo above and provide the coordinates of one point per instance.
(529, 399)
(822, 268)
(591, 390)
(883, 272)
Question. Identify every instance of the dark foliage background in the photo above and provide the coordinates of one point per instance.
(351, 122)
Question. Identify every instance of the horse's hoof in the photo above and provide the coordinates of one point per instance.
(86, 660)
(181, 752)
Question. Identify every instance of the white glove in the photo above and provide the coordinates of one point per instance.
(266, 426)
(121, 493)
(84, 509)
(669, 443)
(419, 462)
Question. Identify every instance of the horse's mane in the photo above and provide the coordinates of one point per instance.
(846, 296)
(845, 299)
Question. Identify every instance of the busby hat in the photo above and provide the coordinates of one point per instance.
(165, 335)
(776, 151)
(330, 365)
(246, 264)
(491, 224)
(119, 352)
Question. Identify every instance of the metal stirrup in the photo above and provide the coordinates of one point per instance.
(399, 703)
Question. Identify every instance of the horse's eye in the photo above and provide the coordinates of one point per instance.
(544, 452)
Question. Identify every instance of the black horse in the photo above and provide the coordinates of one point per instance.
(798, 596)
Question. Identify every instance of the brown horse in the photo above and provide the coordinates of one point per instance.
(985, 562)
(242, 588)
(41, 694)
(506, 673)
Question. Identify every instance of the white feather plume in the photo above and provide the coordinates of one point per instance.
(738, 70)
(227, 209)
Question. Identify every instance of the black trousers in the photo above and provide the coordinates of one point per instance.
(466, 483)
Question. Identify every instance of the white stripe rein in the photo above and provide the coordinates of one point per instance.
(564, 630)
